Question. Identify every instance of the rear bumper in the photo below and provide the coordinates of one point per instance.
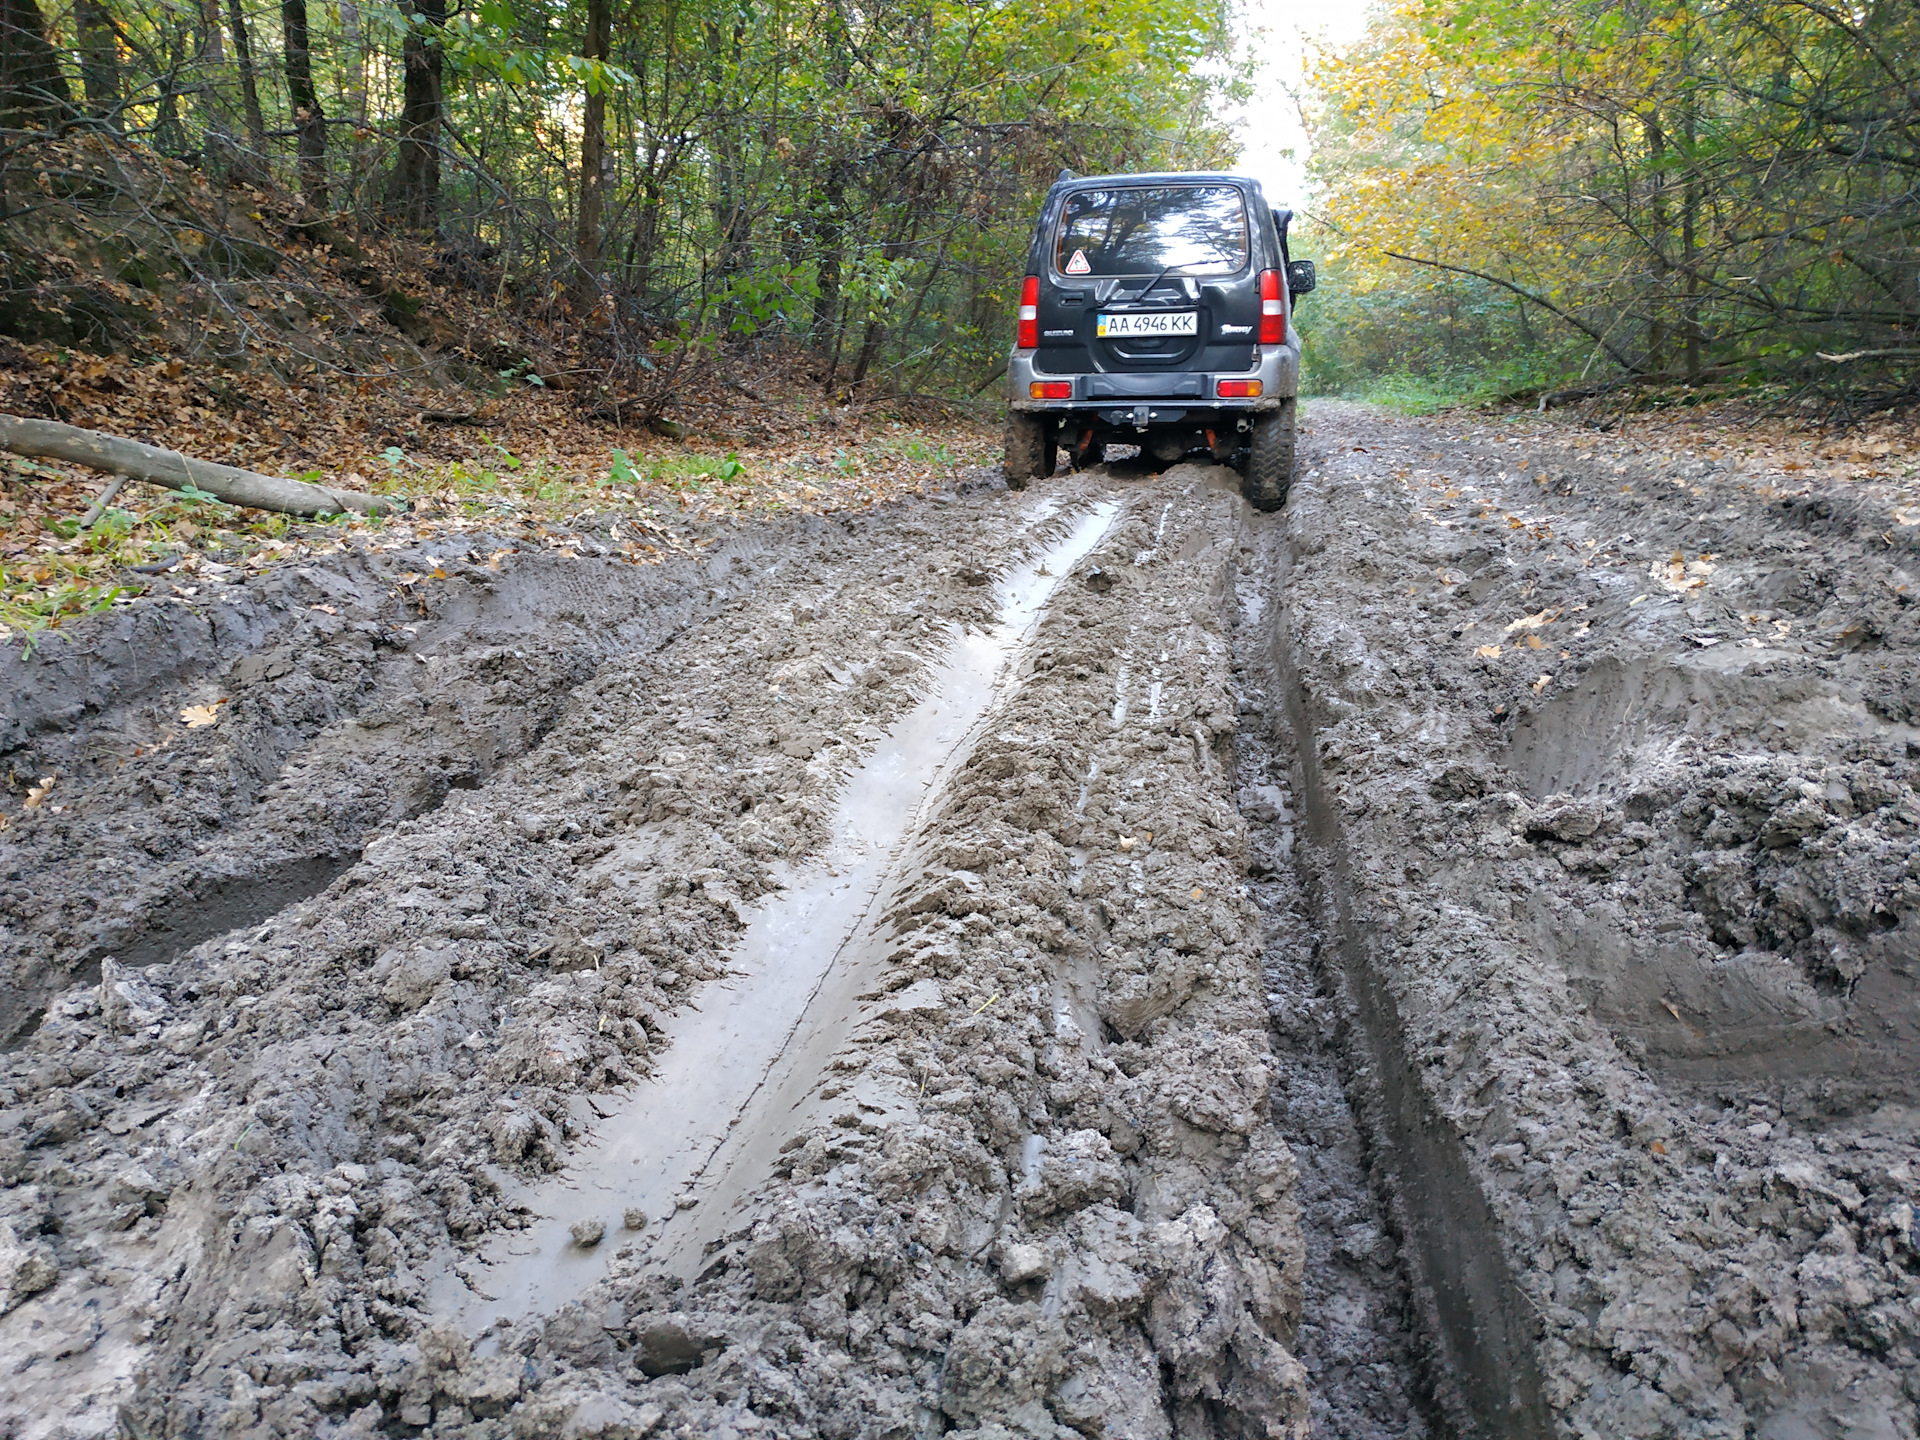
(1166, 396)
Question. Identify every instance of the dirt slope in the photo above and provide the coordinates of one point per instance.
(1093, 961)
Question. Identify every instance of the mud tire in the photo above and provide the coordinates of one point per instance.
(1032, 445)
(1269, 472)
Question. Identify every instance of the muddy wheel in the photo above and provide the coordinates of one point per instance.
(1270, 459)
(1030, 449)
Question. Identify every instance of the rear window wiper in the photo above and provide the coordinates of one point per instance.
(1142, 294)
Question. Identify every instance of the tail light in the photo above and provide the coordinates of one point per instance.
(1050, 389)
(1239, 389)
(1029, 336)
(1273, 315)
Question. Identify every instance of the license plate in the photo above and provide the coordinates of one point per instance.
(1147, 322)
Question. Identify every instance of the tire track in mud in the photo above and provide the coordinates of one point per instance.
(737, 1065)
(1361, 1350)
(207, 1135)
(1372, 1374)
(1026, 1173)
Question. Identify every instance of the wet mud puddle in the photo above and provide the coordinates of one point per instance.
(739, 1062)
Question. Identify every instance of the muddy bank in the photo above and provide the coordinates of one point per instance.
(1612, 785)
(222, 752)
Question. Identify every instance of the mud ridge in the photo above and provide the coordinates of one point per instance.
(349, 693)
(1611, 786)
(1484, 1377)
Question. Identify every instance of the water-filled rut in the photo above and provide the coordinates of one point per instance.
(703, 1128)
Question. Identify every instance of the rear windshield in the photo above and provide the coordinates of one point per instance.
(1148, 229)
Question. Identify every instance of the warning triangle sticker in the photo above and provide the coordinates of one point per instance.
(1078, 264)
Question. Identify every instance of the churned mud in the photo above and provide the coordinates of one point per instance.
(1611, 813)
(1086, 961)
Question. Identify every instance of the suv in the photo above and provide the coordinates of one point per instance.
(1157, 312)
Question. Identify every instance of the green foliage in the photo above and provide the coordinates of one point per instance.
(1564, 189)
(1424, 340)
(857, 180)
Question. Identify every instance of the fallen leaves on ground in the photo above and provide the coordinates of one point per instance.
(1678, 575)
(489, 417)
(531, 474)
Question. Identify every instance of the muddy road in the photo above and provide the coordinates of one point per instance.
(1095, 960)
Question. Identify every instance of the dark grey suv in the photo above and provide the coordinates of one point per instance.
(1157, 311)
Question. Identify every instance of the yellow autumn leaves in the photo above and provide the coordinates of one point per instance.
(1643, 186)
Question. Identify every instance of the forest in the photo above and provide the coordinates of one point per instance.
(1519, 195)
(655, 179)
(1513, 196)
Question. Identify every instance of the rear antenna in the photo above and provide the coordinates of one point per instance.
(1064, 175)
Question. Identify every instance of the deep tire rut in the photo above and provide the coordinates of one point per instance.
(1360, 1333)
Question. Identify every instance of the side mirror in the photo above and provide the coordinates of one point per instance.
(1300, 277)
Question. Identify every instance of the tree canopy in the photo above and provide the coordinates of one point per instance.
(858, 177)
(1658, 188)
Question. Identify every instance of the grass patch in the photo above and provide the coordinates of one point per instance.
(1427, 392)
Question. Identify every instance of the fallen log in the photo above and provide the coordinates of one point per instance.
(50, 440)
(1904, 351)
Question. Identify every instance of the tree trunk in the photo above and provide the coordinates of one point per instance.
(32, 89)
(222, 157)
(308, 120)
(644, 251)
(593, 144)
(833, 356)
(353, 37)
(169, 135)
(1690, 248)
(869, 347)
(50, 440)
(731, 215)
(99, 59)
(249, 94)
(926, 289)
(1657, 235)
(826, 293)
(413, 190)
